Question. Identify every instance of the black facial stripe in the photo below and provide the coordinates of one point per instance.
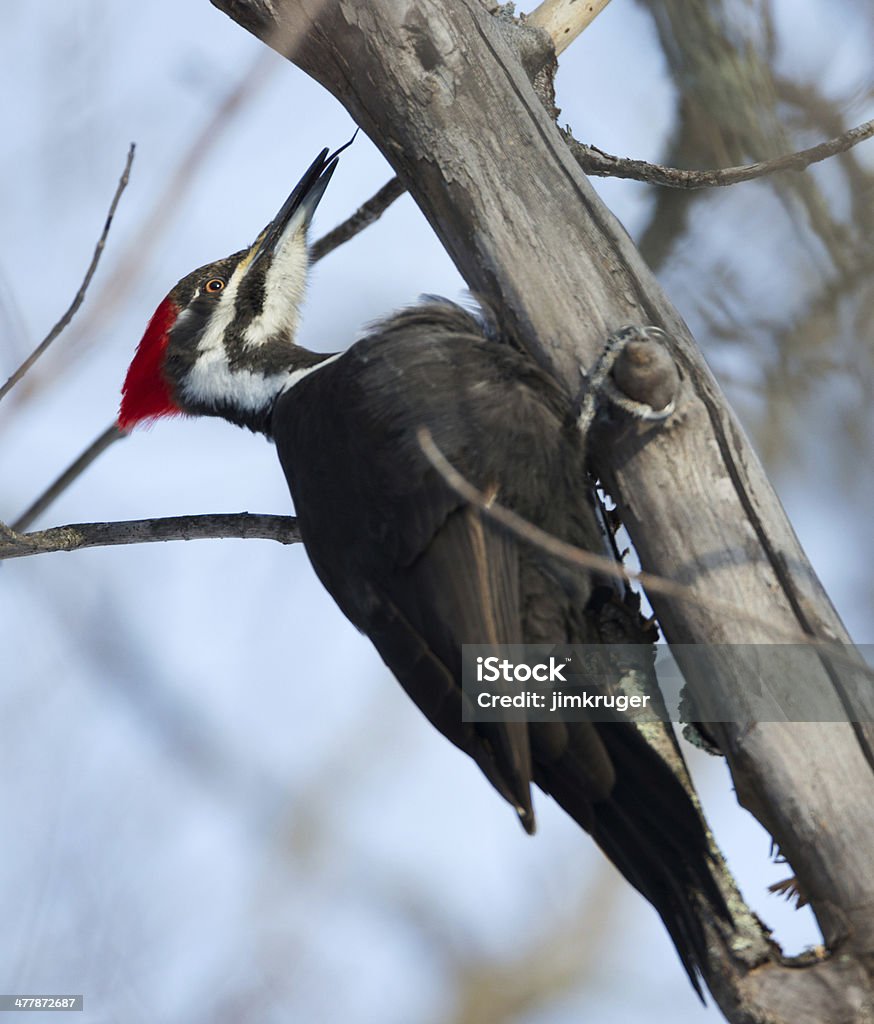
(248, 303)
(274, 356)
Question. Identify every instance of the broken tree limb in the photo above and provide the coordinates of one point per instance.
(438, 89)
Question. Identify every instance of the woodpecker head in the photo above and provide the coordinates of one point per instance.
(222, 342)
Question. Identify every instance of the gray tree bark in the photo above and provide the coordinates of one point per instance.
(438, 88)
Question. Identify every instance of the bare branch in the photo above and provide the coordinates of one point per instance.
(109, 436)
(596, 162)
(363, 217)
(239, 525)
(546, 542)
(284, 530)
(86, 281)
(570, 554)
(564, 20)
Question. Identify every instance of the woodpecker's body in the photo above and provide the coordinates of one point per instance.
(409, 563)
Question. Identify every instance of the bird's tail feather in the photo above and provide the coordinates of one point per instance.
(653, 833)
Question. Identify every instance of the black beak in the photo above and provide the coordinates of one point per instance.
(301, 204)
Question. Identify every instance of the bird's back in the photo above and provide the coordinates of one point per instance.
(503, 422)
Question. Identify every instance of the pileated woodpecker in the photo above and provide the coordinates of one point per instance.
(410, 563)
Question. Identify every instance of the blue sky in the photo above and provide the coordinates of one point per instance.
(218, 802)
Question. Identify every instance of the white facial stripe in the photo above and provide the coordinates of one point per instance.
(211, 380)
(284, 287)
(213, 337)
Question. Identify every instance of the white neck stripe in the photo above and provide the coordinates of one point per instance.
(212, 381)
(298, 375)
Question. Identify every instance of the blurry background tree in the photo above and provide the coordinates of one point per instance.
(194, 831)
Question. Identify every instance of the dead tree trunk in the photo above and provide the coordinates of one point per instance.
(438, 88)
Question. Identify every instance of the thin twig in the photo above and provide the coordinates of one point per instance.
(531, 534)
(239, 525)
(86, 281)
(595, 161)
(564, 20)
(109, 436)
(570, 554)
(363, 217)
(366, 214)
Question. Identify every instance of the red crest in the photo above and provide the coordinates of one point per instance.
(146, 393)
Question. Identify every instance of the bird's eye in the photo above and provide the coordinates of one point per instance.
(214, 285)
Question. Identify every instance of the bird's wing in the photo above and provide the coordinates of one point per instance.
(408, 562)
(462, 587)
